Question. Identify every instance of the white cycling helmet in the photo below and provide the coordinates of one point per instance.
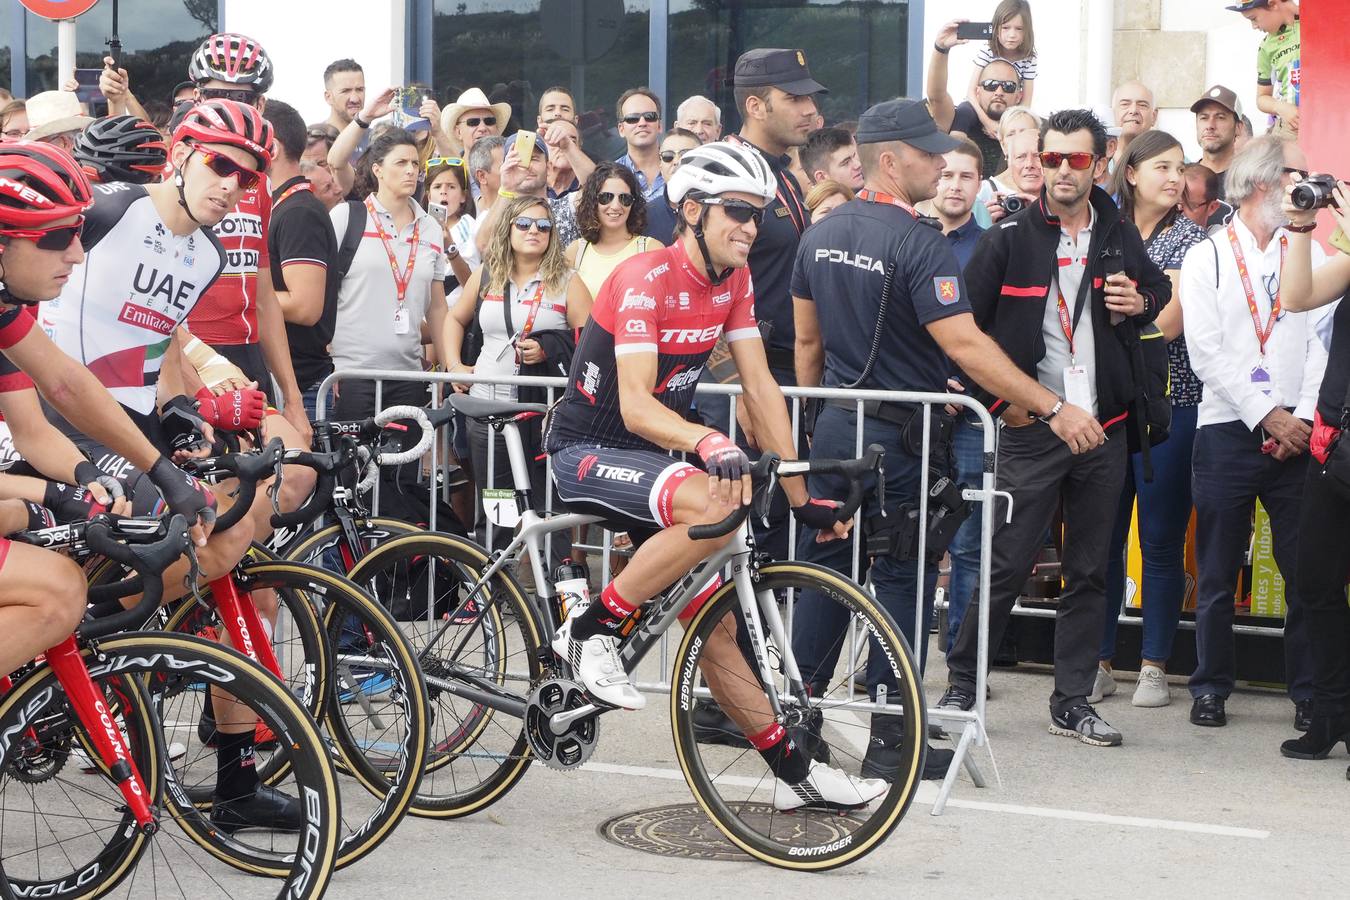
(722, 167)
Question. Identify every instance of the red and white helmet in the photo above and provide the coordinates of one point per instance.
(39, 184)
(233, 58)
(231, 123)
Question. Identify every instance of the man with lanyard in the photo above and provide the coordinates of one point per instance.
(658, 316)
(301, 246)
(239, 315)
(854, 333)
(1261, 366)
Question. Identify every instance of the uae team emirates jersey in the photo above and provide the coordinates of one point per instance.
(655, 303)
(138, 282)
(228, 312)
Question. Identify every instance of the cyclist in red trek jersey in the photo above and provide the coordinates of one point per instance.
(633, 377)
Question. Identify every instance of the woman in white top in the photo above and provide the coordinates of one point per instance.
(527, 302)
(448, 198)
(612, 215)
(394, 291)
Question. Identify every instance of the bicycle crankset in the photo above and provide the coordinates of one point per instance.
(576, 743)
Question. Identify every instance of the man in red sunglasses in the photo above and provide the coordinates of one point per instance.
(1054, 285)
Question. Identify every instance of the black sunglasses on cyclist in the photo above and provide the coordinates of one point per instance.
(739, 211)
(58, 238)
(475, 121)
(238, 95)
(995, 84)
(1081, 160)
(605, 198)
(634, 118)
(225, 167)
(543, 226)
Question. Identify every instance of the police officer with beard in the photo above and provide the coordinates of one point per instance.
(879, 303)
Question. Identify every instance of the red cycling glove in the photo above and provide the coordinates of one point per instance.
(236, 410)
(721, 457)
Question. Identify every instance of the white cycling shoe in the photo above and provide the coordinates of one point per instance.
(595, 663)
(826, 787)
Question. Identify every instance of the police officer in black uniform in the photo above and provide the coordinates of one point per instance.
(853, 331)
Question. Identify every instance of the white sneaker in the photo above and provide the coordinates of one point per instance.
(1104, 686)
(595, 663)
(826, 787)
(1152, 689)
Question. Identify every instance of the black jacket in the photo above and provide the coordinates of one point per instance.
(1008, 280)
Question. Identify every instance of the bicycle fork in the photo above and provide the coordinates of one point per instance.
(107, 739)
(245, 626)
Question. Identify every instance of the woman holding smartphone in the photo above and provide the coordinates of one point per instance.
(612, 216)
(527, 302)
(449, 201)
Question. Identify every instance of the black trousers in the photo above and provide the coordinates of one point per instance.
(1039, 471)
(1323, 563)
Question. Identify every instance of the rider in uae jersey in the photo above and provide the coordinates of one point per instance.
(660, 303)
(137, 284)
(228, 313)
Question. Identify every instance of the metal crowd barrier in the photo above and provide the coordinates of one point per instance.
(968, 726)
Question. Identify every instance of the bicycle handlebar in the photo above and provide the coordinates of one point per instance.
(771, 466)
(326, 466)
(249, 468)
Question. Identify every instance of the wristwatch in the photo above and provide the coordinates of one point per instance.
(360, 123)
(452, 251)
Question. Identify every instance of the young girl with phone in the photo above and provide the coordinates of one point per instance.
(448, 199)
(1014, 40)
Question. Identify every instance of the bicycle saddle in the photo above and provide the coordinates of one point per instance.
(483, 410)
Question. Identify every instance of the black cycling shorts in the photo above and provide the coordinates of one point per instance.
(630, 489)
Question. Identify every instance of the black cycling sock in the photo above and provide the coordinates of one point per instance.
(781, 753)
(236, 773)
(603, 616)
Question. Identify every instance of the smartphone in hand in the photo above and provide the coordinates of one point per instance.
(525, 147)
(975, 31)
(88, 90)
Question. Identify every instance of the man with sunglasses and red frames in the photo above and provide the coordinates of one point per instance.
(632, 381)
(43, 195)
(1054, 285)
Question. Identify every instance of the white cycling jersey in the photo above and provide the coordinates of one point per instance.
(138, 282)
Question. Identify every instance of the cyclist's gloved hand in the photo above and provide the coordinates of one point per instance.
(87, 475)
(182, 493)
(816, 513)
(721, 457)
(237, 410)
(71, 503)
(38, 516)
(182, 423)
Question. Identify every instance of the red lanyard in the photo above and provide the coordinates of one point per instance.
(1262, 335)
(869, 196)
(535, 303)
(300, 186)
(1064, 321)
(401, 282)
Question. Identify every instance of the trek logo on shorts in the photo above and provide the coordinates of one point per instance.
(619, 473)
(584, 467)
(948, 290)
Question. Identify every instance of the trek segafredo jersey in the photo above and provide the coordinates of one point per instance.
(138, 282)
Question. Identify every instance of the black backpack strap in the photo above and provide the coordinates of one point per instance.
(351, 238)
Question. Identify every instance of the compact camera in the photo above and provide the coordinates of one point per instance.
(1012, 204)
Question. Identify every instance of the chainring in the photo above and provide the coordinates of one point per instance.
(573, 748)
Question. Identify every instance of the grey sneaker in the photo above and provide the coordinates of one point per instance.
(1152, 690)
(1103, 687)
(1083, 723)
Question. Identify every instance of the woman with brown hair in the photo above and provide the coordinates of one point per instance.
(13, 120)
(825, 195)
(612, 215)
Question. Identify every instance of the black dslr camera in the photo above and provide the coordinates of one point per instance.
(1314, 192)
(1012, 204)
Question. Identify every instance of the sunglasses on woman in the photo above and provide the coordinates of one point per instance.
(738, 211)
(475, 121)
(995, 84)
(669, 156)
(1081, 160)
(543, 226)
(634, 118)
(225, 167)
(605, 198)
(57, 238)
(447, 161)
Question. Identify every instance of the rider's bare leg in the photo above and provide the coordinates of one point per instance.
(42, 599)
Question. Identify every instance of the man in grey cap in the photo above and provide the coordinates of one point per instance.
(926, 330)
(1216, 127)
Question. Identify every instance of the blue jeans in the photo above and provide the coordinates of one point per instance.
(310, 396)
(968, 448)
(1164, 513)
(819, 623)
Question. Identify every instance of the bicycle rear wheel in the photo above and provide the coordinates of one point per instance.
(488, 644)
(68, 834)
(734, 784)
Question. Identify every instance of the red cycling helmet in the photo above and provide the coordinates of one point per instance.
(39, 184)
(233, 58)
(231, 123)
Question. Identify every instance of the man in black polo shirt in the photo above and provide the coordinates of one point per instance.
(845, 341)
(302, 247)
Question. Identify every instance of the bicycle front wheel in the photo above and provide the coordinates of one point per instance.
(832, 727)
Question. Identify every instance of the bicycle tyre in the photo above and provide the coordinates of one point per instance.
(163, 664)
(477, 753)
(806, 839)
(377, 529)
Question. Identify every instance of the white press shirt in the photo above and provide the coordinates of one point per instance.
(1221, 335)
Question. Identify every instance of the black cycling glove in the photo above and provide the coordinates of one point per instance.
(182, 493)
(816, 513)
(182, 423)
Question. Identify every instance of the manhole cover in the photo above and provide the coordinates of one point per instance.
(683, 830)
